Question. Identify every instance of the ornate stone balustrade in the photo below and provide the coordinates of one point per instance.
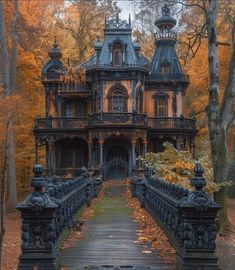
(47, 212)
(188, 218)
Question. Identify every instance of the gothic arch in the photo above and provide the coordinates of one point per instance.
(117, 98)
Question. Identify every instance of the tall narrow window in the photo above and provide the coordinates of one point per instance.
(69, 158)
(117, 99)
(117, 55)
(79, 159)
(166, 67)
(161, 106)
(139, 101)
(69, 109)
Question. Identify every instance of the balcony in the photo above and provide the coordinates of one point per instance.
(61, 123)
(170, 77)
(172, 123)
(116, 119)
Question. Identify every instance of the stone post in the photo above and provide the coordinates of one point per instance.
(197, 227)
(38, 230)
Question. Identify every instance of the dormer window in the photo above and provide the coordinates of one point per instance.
(166, 67)
(117, 54)
(166, 70)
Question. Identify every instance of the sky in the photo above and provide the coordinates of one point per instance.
(125, 6)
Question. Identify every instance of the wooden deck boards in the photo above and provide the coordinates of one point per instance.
(110, 240)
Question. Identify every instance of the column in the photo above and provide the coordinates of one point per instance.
(133, 143)
(90, 161)
(145, 145)
(36, 154)
(50, 159)
(101, 144)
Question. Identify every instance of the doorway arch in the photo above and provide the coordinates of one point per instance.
(117, 162)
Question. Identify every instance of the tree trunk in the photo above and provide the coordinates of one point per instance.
(14, 48)
(3, 193)
(216, 132)
(4, 53)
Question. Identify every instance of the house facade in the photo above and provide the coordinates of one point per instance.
(115, 106)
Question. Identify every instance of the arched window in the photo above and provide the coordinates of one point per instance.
(117, 99)
(117, 55)
(139, 101)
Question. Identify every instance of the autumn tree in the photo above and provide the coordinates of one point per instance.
(201, 22)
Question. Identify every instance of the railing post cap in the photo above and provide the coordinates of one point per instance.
(198, 181)
(37, 170)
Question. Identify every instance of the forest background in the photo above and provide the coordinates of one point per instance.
(27, 30)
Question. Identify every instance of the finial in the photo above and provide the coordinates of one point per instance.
(198, 170)
(38, 182)
(166, 10)
(55, 45)
(37, 170)
(198, 181)
(117, 17)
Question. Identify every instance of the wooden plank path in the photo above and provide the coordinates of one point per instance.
(110, 240)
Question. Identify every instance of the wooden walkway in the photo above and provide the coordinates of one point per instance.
(110, 241)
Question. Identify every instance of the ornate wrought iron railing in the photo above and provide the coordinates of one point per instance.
(188, 218)
(115, 118)
(60, 122)
(118, 118)
(171, 123)
(170, 77)
(47, 212)
(72, 86)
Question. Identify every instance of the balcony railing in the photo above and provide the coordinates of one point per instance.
(118, 118)
(60, 123)
(171, 123)
(170, 77)
(124, 119)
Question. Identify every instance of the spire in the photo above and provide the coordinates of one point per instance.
(55, 51)
(117, 17)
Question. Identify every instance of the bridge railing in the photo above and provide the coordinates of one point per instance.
(187, 217)
(47, 212)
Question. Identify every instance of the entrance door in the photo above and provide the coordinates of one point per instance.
(117, 163)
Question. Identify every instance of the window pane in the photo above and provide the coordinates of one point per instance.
(69, 159)
(79, 159)
(69, 110)
(161, 107)
(79, 109)
(117, 103)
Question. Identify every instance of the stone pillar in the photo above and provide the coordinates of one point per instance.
(50, 159)
(90, 158)
(133, 143)
(145, 145)
(101, 144)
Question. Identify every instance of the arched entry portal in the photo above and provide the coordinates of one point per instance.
(117, 162)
